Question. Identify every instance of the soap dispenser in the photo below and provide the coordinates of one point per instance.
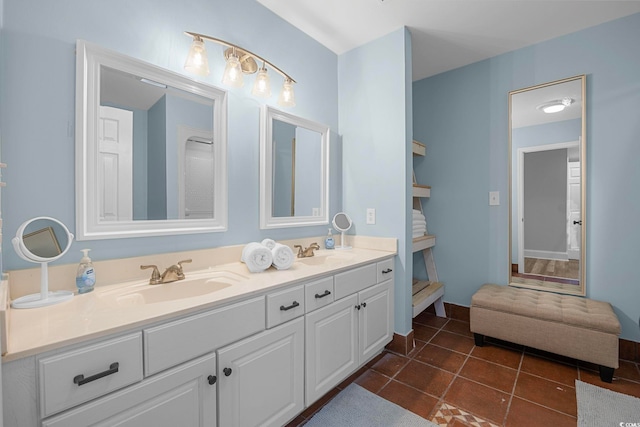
(329, 243)
(86, 276)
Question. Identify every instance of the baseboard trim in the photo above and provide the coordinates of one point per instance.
(402, 344)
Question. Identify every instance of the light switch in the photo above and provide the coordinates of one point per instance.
(494, 198)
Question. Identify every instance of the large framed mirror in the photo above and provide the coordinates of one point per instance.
(151, 149)
(547, 203)
(294, 171)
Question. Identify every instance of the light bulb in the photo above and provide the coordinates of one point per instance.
(287, 96)
(197, 61)
(262, 85)
(233, 72)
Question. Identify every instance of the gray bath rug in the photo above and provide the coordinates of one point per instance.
(599, 407)
(356, 407)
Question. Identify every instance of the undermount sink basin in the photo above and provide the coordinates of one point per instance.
(328, 258)
(197, 285)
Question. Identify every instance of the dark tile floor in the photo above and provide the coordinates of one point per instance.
(448, 380)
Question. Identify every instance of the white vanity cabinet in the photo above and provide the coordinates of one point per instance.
(345, 334)
(260, 360)
(261, 378)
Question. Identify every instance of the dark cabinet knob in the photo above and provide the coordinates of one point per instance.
(212, 379)
(227, 371)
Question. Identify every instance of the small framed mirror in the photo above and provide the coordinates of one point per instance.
(547, 164)
(42, 240)
(151, 149)
(342, 222)
(294, 171)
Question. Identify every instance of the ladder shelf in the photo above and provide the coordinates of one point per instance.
(424, 293)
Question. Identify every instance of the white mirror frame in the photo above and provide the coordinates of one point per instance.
(89, 59)
(267, 220)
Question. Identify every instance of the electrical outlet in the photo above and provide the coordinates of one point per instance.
(371, 216)
(494, 198)
(315, 212)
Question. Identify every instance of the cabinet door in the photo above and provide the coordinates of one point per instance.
(376, 319)
(261, 378)
(183, 396)
(331, 346)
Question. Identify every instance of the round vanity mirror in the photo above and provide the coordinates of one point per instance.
(42, 240)
(342, 223)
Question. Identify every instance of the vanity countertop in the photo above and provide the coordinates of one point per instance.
(101, 313)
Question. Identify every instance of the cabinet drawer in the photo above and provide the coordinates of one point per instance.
(285, 305)
(355, 280)
(83, 374)
(183, 396)
(175, 342)
(385, 270)
(318, 294)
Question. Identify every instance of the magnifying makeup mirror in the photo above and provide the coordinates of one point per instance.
(342, 223)
(42, 240)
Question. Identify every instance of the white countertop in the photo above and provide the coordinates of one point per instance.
(95, 314)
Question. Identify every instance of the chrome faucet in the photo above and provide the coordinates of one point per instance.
(171, 274)
(305, 253)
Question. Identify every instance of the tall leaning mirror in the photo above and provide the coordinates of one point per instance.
(547, 152)
(294, 171)
(150, 149)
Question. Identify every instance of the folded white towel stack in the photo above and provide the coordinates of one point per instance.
(257, 257)
(283, 256)
(419, 226)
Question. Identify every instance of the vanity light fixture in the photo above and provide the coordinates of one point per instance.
(556, 106)
(239, 61)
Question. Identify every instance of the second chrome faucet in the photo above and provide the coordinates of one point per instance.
(171, 274)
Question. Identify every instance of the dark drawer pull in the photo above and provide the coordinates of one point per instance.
(294, 305)
(388, 270)
(325, 294)
(80, 379)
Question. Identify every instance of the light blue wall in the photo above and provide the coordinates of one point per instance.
(375, 105)
(37, 108)
(462, 117)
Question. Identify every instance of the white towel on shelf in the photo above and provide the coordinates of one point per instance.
(419, 230)
(416, 211)
(270, 243)
(417, 234)
(257, 257)
(283, 256)
(419, 222)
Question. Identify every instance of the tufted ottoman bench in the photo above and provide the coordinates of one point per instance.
(571, 326)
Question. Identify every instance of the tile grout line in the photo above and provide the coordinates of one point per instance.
(513, 389)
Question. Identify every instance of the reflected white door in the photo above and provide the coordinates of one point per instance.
(573, 210)
(198, 179)
(115, 164)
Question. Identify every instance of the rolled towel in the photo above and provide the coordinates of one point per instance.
(270, 243)
(283, 256)
(419, 222)
(257, 257)
(417, 234)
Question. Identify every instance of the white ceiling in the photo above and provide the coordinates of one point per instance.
(446, 34)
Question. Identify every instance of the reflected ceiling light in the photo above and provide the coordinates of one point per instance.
(556, 106)
(239, 61)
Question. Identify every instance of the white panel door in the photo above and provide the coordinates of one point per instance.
(261, 378)
(376, 319)
(115, 164)
(198, 179)
(331, 336)
(574, 217)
